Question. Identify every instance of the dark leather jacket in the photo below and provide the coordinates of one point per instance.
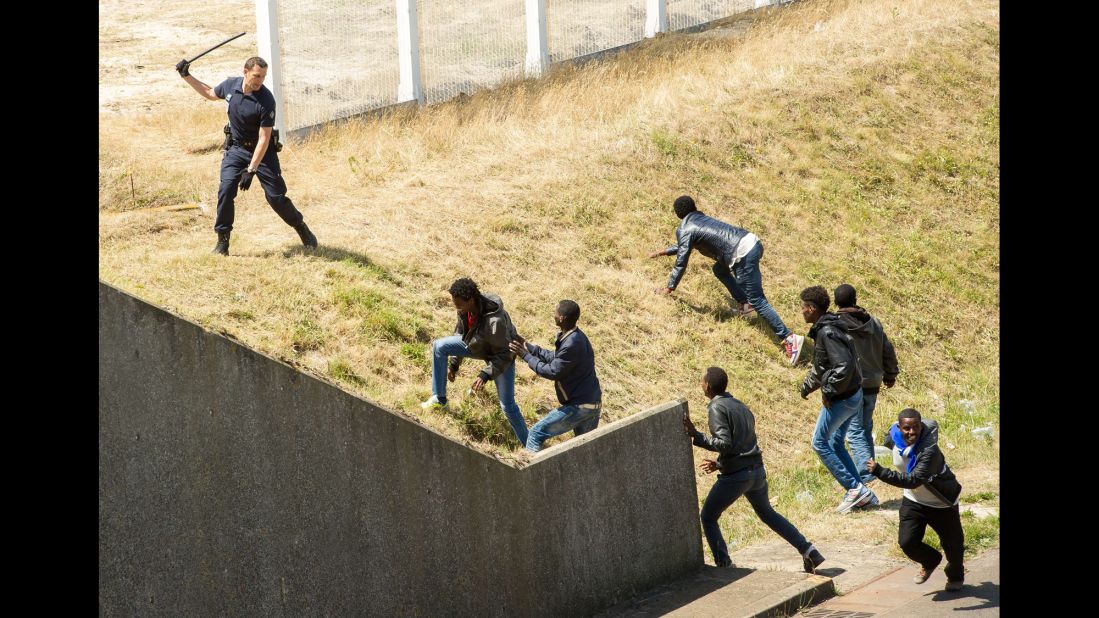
(931, 470)
(714, 239)
(734, 434)
(835, 368)
(488, 339)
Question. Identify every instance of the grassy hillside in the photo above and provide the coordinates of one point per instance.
(858, 140)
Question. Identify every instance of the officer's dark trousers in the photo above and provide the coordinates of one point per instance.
(269, 175)
(947, 523)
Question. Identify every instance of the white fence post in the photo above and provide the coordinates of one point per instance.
(411, 87)
(537, 47)
(656, 17)
(267, 40)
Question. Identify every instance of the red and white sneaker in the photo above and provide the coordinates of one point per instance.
(792, 344)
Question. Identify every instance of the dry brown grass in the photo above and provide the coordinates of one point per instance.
(859, 140)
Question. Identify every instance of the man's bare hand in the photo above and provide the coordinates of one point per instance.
(708, 466)
(478, 384)
(518, 346)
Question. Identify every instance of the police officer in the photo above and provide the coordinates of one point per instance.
(251, 151)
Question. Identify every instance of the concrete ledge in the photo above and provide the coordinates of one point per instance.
(789, 600)
(231, 483)
(712, 592)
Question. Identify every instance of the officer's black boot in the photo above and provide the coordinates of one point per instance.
(222, 247)
(307, 237)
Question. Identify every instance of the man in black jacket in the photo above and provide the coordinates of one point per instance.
(878, 364)
(482, 331)
(931, 493)
(741, 472)
(835, 371)
(736, 253)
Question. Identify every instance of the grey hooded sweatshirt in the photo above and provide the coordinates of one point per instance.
(877, 358)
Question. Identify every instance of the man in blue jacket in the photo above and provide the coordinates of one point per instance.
(571, 366)
(736, 253)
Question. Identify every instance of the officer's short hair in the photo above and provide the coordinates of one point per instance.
(717, 379)
(253, 62)
(816, 296)
(845, 295)
(569, 310)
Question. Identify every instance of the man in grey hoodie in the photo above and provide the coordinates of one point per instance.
(878, 363)
(483, 331)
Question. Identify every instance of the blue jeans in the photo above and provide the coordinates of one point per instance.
(745, 283)
(828, 439)
(558, 421)
(729, 487)
(445, 347)
(860, 435)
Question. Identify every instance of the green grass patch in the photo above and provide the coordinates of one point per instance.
(307, 335)
(342, 372)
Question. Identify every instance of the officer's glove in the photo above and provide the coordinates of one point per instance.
(183, 67)
(246, 180)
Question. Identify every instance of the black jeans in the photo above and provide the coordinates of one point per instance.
(753, 483)
(947, 523)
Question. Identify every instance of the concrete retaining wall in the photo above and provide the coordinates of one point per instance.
(232, 484)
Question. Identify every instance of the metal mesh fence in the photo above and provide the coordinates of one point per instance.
(686, 13)
(580, 27)
(468, 46)
(339, 58)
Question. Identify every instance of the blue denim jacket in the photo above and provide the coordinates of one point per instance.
(571, 366)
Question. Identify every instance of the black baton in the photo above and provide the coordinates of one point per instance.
(215, 47)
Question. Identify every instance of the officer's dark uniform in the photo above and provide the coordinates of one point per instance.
(247, 113)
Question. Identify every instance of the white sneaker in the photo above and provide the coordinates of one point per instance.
(792, 344)
(854, 497)
(432, 403)
(870, 501)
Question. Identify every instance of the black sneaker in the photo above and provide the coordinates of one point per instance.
(811, 560)
(307, 237)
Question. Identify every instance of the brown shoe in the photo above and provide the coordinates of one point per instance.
(923, 574)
